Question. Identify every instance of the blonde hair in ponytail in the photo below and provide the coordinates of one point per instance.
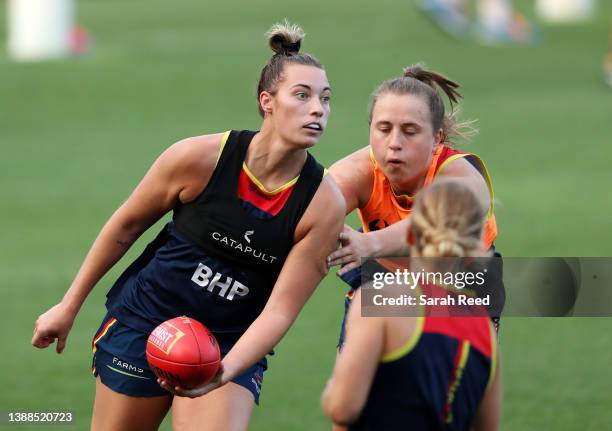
(448, 221)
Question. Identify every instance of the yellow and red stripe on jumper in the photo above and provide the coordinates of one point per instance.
(102, 333)
(463, 352)
(256, 198)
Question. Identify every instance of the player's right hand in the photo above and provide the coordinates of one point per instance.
(198, 391)
(54, 324)
(354, 246)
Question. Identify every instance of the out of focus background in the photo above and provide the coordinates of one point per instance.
(77, 133)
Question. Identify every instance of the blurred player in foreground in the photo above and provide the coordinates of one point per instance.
(254, 220)
(496, 22)
(422, 373)
(607, 67)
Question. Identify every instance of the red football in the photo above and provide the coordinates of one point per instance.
(183, 352)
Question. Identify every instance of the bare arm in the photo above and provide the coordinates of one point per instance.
(463, 171)
(354, 177)
(387, 242)
(488, 416)
(345, 395)
(169, 179)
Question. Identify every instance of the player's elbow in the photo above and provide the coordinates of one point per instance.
(343, 415)
(128, 225)
(341, 410)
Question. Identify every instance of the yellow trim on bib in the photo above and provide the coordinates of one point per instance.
(261, 187)
(409, 345)
(493, 356)
(484, 172)
(450, 159)
(223, 142)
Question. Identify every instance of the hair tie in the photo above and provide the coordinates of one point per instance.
(291, 48)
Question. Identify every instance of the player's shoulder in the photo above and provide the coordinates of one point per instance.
(195, 150)
(354, 175)
(189, 163)
(462, 168)
(359, 159)
(460, 163)
(457, 166)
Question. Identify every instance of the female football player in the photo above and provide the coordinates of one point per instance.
(410, 148)
(246, 247)
(422, 373)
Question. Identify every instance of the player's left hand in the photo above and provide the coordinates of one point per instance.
(198, 391)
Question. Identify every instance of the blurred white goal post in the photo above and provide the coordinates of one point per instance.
(565, 11)
(39, 29)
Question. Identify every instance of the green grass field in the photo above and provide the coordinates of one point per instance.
(77, 135)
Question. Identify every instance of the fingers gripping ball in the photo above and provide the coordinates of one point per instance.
(183, 352)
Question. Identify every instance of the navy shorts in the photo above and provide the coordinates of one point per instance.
(355, 278)
(119, 360)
